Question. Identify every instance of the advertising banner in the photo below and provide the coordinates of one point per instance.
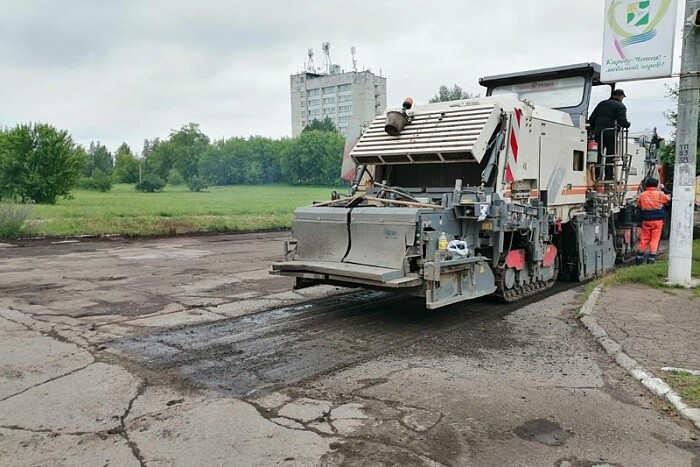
(638, 39)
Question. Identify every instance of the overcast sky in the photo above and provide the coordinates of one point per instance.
(127, 70)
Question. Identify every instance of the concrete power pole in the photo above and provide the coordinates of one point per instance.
(681, 241)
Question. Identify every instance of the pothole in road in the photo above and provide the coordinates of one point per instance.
(543, 431)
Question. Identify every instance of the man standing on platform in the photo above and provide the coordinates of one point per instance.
(608, 115)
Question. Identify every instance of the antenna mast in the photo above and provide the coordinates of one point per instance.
(311, 67)
(327, 56)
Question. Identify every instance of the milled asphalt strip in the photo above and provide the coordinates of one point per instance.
(612, 348)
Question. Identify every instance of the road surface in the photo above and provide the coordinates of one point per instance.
(185, 350)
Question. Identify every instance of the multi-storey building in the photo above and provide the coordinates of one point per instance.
(346, 98)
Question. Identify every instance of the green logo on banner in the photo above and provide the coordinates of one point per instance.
(638, 16)
(638, 13)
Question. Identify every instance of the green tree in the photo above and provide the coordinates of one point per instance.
(82, 155)
(126, 165)
(148, 146)
(182, 151)
(175, 177)
(98, 158)
(197, 184)
(150, 183)
(189, 143)
(148, 163)
(456, 93)
(314, 158)
(265, 165)
(98, 181)
(39, 163)
(321, 125)
(226, 162)
(280, 148)
(667, 153)
(159, 160)
(253, 173)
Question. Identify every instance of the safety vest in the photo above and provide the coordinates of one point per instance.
(651, 203)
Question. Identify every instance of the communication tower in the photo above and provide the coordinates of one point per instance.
(310, 66)
(326, 46)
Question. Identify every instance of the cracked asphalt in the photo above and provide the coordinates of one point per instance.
(185, 351)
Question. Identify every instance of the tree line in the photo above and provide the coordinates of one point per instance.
(40, 163)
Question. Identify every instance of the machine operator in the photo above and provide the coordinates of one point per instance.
(608, 114)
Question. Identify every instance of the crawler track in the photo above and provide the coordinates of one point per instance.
(520, 292)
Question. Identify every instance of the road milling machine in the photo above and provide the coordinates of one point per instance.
(495, 195)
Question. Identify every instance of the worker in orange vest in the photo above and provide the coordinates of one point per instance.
(651, 204)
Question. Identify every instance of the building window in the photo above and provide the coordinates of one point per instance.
(345, 98)
(343, 119)
(344, 87)
(329, 90)
(329, 100)
(314, 102)
(328, 111)
(345, 108)
(303, 103)
(303, 113)
(314, 92)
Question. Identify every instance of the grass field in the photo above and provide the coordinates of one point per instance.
(687, 385)
(176, 210)
(654, 275)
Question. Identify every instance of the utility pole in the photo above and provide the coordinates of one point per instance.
(681, 241)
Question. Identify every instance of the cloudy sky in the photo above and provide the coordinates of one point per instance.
(127, 70)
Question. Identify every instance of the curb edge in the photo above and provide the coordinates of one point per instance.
(654, 385)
